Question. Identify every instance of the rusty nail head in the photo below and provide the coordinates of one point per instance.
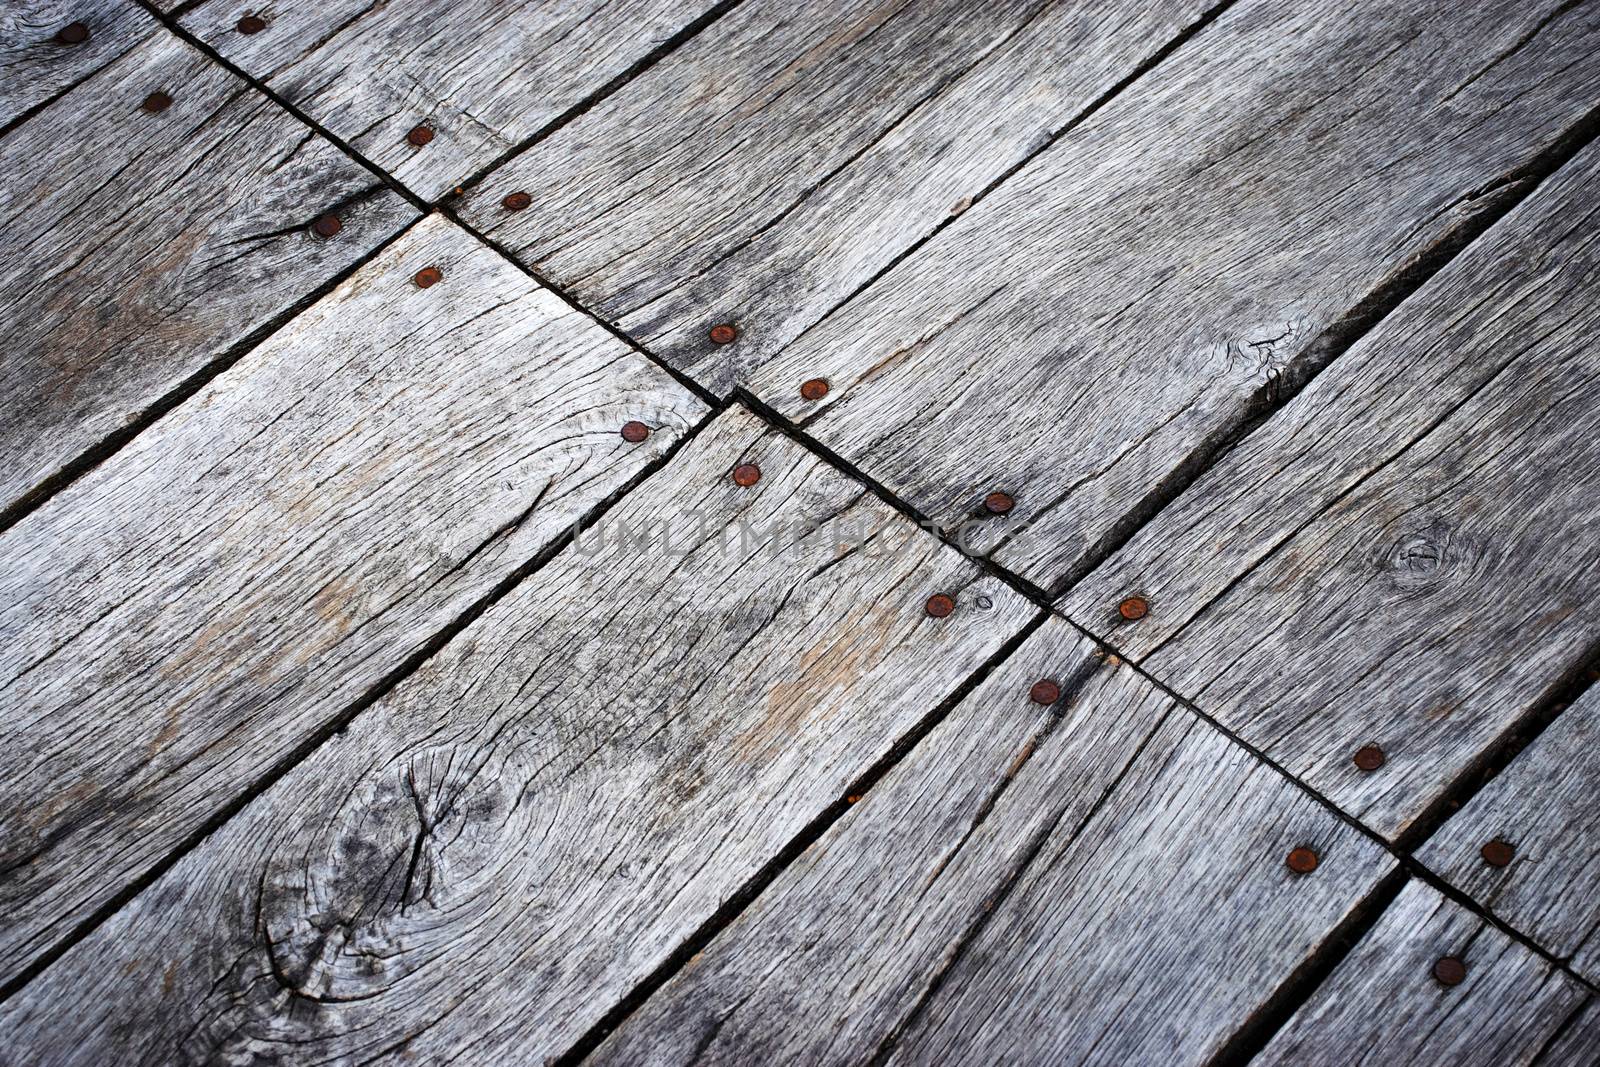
(724, 333)
(998, 503)
(1498, 853)
(428, 276)
(1134, 608)
(251, 24)
(746, 474)
(420, 135)
(1303, 860)
(939, 605)
(1044, 691)
(1449, 970)
(156, 101)
(814, 389)
(634, 431)
(1369, 758)
(517, 201)
(327, 226)
(73, 33)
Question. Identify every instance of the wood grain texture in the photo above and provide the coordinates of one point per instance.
(1383, 1007)
(141, 247)
(500, 849)
(184, 618)
(35, 65)
(1579, 1044)
(774, 164)
(484, 75)
(1099, 881)
(1127, 300)
(1544, 805)
(1404, 555)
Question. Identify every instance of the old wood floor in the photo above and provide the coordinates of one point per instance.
(759, 531)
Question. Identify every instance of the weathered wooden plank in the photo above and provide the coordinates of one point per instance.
(1121, 306)
(141, 246)
(48, 45)
(1576, 1047)
(1384, 1005)
(1103, 880)
(498, 851)
(212, 598)
(815, 143)
(1543, 806)
(482, 75)
(1404, 555)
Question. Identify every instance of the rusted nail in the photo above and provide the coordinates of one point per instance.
(746, 474)
(156, 101)
(516, 201)
(420, 135)
(1448, 970)
(634, 431)
(1044, 691)
(1369, 758)
(998, 503)
(939, 605)
(724, 333)
(73, 33)
(250, 24)
(428, 276)
(814, 389)
(1133, 608)
(1303, 860)
(1498, 853)
(327, 226)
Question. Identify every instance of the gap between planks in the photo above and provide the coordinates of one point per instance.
(644, 63)
(731, 909)
(113, 442)
(341, 722)
(1334, 342)
(1377, 306)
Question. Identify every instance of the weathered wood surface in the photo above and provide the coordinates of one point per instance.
(1404, 555)
(1543, 805)
(1123, 303)
(36, 63)
(199, 607)
(140, 247)
(1383, 1006)
(773, 165)
(483, 75)
(1578, 1045)
(494, 854)
(1101, 881)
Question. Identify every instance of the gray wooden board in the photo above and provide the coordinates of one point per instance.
(1119, 305)
(1579, 1045)
(1404, 555)
(1383, 1007)
(1149, 909)
(35, 65)
(484, 75)
(1543, 804)
(140, 247)
(493, 855)
(779, 160)
(187, 615)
